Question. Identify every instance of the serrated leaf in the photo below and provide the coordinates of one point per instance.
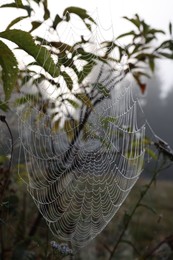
(56, 21)
(85, 99)
(18, 19)
(9, 66)
(25, 42)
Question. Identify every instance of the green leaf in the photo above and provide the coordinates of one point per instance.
(85, 99)
(18, 19)
(25, 42)
(82, 13)
(68, 80)
(106, 120)
(102, 89)
(166, 55)
(18, 2)
(14, 5)
(69, 127)
(136, 21)
(88, 26)
(170, 28)
(151, 153)
(125, 34)
(46, 10)
(3, 106)
(35, 25)
(62, 46)
(56, 126)
(9, 66)
(73, 103)
(25, 99)
(85, 72)
(56, 21)
(152, 64)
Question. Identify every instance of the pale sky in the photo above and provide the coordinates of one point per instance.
(158, 13)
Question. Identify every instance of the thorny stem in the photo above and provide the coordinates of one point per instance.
(155, 173)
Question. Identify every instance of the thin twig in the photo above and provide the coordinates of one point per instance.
(155, 173)
(6, 182)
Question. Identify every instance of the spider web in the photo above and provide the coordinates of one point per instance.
(82, 162)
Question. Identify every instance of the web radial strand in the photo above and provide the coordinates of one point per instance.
(79, 186)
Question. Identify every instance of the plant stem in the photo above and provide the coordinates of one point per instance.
(155, 173)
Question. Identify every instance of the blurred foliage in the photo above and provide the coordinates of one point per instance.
(17, 210)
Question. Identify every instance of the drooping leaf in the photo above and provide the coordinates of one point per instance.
(56, 126)
(136, 21)
(126, 34)
(69, 127)
(170, 28)
(18, 2)
(106, 120)
(9, 66)
(68, 80)
(62, 46)
(35, 25)
(56, 21)
(27, 98)
(46, 10)
(166, 55)
(85, 71)
(85, 99)
(25, 42)
(102, 89)
(14, 5)
(82, 13)
(18, 19)
(3, 106)
(73, 103)
(152, 64)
